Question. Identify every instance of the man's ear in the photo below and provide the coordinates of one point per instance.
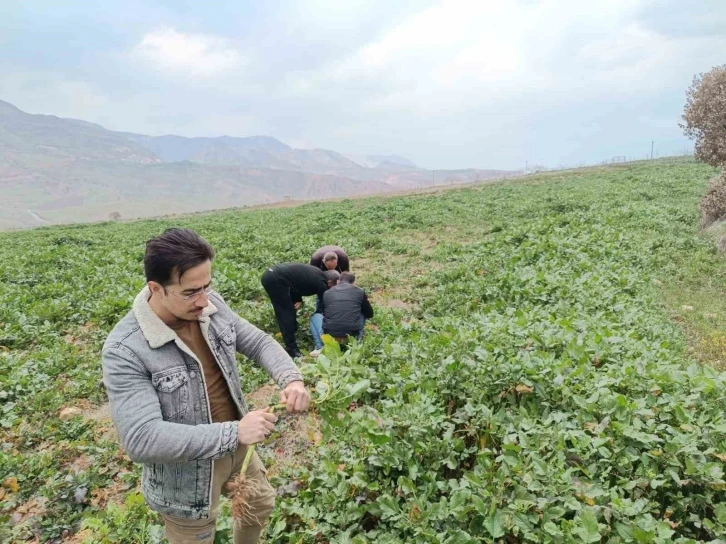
(156, 288)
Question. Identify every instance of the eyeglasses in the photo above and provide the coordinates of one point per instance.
(194, 296)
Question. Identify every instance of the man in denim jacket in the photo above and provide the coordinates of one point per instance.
(175, 393)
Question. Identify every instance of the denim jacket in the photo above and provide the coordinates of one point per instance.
(159, 402)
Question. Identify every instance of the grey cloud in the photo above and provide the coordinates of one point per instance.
(302, 84)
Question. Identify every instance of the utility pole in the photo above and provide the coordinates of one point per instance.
(652, 143)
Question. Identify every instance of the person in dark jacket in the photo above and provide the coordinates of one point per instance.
(345, 310)
(286, 284)
(331, 258)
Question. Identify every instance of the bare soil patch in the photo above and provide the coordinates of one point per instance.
(101, 415)
(296, 436)
(397, 304)
(261, 397)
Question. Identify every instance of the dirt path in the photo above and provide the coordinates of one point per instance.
(37, 217)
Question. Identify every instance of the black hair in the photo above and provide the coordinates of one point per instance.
(347, 277)
(173, 253)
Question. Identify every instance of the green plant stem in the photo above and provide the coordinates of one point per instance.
(248, 456)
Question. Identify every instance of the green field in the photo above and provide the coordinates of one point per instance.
(543, 367)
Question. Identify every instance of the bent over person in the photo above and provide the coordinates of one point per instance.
(286, 284)
(331, 258)
(175, 393)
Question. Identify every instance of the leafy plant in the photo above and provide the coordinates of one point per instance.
(525, 380)
(128, 523)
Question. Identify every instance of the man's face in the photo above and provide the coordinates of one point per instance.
(192, 284)
(331, 264)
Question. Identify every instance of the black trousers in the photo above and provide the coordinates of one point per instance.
(279, 293)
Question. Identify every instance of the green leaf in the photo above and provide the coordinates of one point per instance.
(681, 414)
(459, 499)
(720, 510)
(479, 504)
(459, 537)
(406, 485)
(555, 512)
(354, 390)
(552, 529)
(641, 535)
(331, 344)
(279, 527)
(388, 505)
(625, 531)
(494, 523)
(590, 525)
(321, 388)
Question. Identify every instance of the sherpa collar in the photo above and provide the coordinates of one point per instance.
(156, 332)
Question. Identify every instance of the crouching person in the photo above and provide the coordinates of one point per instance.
(174, 389)
(331, 258)
(345, 310)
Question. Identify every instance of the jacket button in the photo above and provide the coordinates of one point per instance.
(192, 374)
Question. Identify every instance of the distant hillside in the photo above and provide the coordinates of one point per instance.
(383, 161)
(222, 150)
(253, 151)
(48, 135)
(55, 170)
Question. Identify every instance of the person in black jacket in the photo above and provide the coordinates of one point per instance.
(286, 284)
(345, 310)
(331, 258)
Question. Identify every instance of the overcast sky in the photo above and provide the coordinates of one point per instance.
(448, 84)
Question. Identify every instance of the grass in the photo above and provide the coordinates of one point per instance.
(486, 298)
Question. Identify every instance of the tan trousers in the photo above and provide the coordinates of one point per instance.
(201, 531)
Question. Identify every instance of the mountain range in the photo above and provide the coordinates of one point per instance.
(56, 170)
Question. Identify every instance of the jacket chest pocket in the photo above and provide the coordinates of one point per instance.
(227, 348)
(227, 354)
(172, 388)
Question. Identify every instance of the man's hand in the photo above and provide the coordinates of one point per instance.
(295, 396)
(298, 305)
(255, 427)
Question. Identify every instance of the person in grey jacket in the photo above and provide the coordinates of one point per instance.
(345, 309)
(175, 393)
